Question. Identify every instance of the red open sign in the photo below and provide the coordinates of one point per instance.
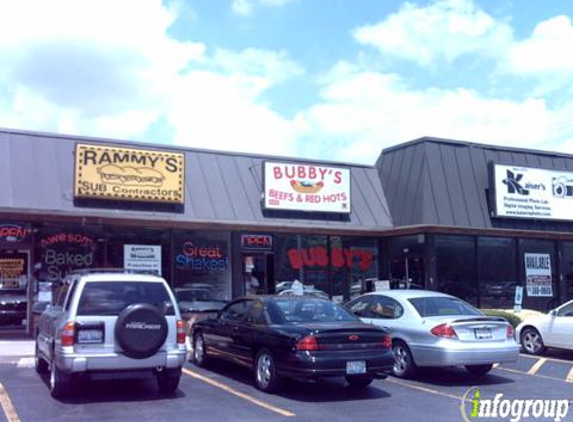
(257, 241)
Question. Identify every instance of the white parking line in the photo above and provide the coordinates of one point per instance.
(7, 406)
(237, 393)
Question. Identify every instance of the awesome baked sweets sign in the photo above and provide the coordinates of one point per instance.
(108, 172)
(303, 187)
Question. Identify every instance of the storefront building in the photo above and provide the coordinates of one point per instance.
(478, 220)
(472, 220)
(201, 219)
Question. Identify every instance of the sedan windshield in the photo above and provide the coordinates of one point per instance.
(311, 310)
(442, 306)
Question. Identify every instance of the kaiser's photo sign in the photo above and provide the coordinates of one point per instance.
(107, 172)
(304, 187)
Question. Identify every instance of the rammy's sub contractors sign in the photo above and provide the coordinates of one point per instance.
(524, 192)
(304, 187)
(127, 174)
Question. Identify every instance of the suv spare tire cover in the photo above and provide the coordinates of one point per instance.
(140, 330)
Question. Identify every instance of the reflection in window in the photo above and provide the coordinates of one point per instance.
(456, 267)
(498, 275)
(568, 268)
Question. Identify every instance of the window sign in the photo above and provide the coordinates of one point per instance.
(304, 187)
(14, 233)
(523, 192)
(142, 258)
(257, 242)
(518, 298)
(538, 275)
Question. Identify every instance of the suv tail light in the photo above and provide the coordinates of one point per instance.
(387, 341)
(510, 332)
(444, 331)
(307, 344)
(68, 334)
(181, 335)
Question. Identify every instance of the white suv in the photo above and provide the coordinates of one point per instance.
(111, 324)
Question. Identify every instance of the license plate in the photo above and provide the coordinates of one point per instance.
(483, 333)
(90, 336)
(355, 367)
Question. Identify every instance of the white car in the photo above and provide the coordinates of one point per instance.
(554, 329)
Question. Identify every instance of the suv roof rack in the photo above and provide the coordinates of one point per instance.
(111, 270)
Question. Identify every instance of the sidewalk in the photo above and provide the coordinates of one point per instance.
(16, 348)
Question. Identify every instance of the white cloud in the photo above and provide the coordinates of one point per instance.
(363, 112)
(548, 50)
(246, 7)
(445, 30)
(99, 69)
(242, 7)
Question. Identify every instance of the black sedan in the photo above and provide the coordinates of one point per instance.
(294, 336)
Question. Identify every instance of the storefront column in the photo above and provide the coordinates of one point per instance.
(237, 265)
(430, 258)
(561, 270)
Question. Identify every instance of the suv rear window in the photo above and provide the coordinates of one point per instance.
(111, 297)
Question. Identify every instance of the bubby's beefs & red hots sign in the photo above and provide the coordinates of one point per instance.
(303, 187)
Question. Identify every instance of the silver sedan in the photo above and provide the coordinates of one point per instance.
(434, 329)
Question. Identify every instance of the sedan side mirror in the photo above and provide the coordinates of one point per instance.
(553, 312)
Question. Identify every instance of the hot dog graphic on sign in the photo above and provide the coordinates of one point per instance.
(307, 187)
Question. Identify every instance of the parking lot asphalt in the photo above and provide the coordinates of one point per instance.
(223, 392)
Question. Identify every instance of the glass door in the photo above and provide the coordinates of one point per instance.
(258, 273)
(407, 272)
(14, 275)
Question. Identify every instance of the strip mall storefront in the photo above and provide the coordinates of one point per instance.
(130, 207)
(212, 221)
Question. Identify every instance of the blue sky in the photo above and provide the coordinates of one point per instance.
(320, 79)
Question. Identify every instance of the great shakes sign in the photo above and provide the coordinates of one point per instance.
(304, 187)
(107, 172)
(524, 192)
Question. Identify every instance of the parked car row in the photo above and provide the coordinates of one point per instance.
(119, 323)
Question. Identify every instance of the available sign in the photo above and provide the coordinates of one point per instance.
(142, 258)
(127, 174)
(523, 192)
(303, 187)
(538, 275)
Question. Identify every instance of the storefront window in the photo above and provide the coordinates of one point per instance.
(340, 272)
(139, 249)
(456, 267)
(202, 264)
(61, 249)
(303, 258)
(406, 256)
(568, 268)
(354, 260)
(538, 261)
(498, 272)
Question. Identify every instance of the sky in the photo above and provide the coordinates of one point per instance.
(319, 79)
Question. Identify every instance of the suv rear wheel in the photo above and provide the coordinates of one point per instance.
(168, 380)
(59, 381)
